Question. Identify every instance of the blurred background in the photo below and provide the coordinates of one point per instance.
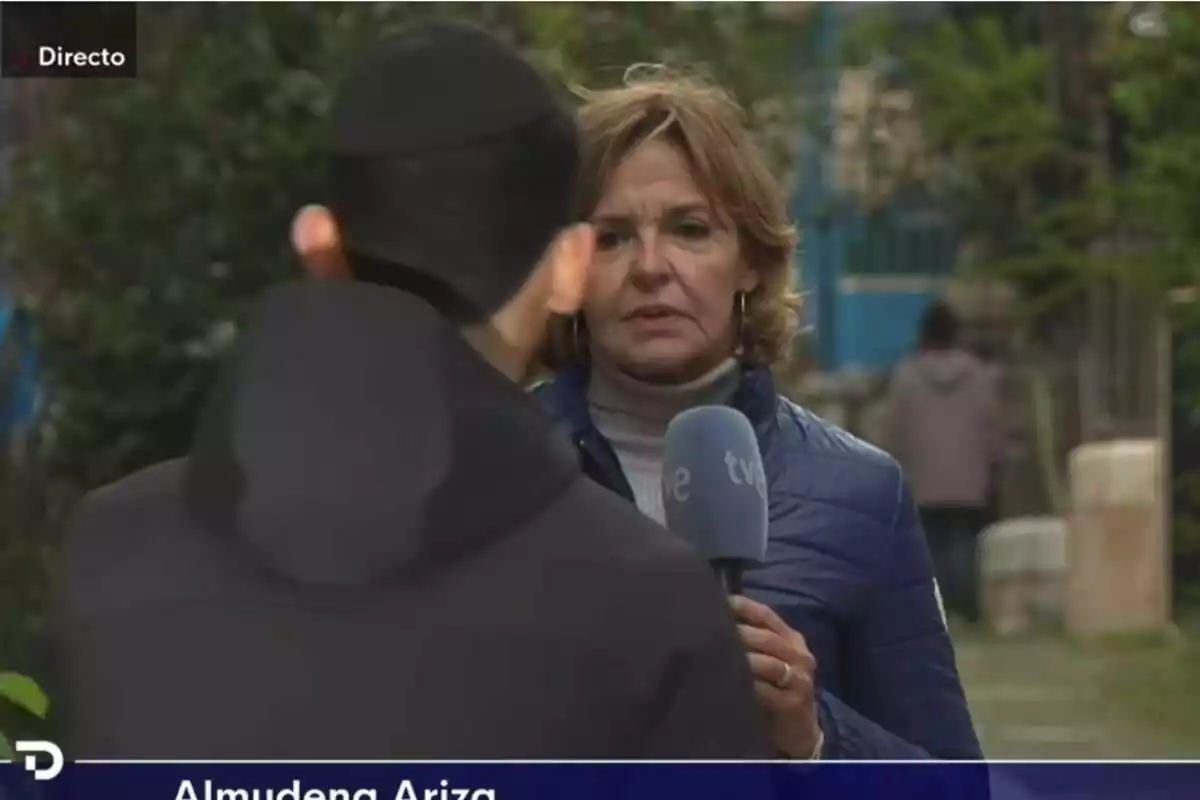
(1035, 165)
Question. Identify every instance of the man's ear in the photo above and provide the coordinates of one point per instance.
(318, 242)
(570, 259)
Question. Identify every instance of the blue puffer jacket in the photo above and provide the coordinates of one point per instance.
(847, 566)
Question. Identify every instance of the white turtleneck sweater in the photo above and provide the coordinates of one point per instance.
(633, 416)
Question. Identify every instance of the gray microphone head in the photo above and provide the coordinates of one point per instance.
(714, 487)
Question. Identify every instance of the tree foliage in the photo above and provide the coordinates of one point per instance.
(1057, 128)
(160, 206)
(1155, 75)
(1013, 133)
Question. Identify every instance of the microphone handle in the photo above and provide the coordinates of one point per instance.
(729, 573)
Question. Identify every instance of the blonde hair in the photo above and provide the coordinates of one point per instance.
(708, 126)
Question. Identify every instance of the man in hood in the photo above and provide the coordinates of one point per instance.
(945, 412)
(377, 546)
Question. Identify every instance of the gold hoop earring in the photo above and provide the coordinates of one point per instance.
(741, 323)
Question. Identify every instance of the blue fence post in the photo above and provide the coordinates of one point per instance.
(20, 397)
(818, 266)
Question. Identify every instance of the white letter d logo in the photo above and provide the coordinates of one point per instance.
(46, 748)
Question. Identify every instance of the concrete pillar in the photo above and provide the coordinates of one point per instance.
(1023, 568)
(1117, 577)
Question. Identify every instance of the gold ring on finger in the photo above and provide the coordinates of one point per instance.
(786, 677)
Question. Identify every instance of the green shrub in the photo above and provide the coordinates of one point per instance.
(22, 693)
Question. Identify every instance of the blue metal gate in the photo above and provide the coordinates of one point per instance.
(869, 274)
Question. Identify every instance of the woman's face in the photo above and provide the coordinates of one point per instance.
(660, 295)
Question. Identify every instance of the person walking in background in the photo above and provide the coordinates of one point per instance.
(944, 409)
(691, 301)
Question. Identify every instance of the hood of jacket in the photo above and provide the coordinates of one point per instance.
(945, 370)
(356, 435)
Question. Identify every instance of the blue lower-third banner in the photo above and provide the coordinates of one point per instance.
(494, 781)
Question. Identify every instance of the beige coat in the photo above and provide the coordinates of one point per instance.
(945, 427)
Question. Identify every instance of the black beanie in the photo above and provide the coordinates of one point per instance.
(452, 166)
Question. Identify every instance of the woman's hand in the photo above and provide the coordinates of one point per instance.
(784, 677)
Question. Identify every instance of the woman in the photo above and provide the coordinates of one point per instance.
(690, 302)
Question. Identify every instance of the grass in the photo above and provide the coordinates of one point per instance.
(1155, 681)
(1118, 697)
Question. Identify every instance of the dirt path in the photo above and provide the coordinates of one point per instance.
(1043, 699)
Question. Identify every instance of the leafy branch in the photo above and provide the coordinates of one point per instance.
(25, 694)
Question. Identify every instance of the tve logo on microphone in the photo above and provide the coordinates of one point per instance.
(680, 483)
(715, 489)
(743, 472)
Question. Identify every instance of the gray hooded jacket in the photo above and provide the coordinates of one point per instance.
(945, 426)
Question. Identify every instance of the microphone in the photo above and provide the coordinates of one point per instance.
(715, 489)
